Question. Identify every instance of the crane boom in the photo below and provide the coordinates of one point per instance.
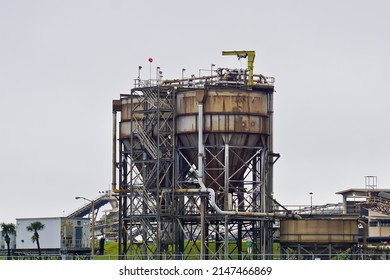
(244, 54)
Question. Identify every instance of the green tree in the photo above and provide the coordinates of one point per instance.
(35, 227)
(6, 230)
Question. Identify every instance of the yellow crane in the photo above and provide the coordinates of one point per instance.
(244, 54)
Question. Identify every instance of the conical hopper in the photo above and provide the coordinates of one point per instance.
(241, 148)
(234, 119)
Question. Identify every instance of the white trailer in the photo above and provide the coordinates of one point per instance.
(59, 235)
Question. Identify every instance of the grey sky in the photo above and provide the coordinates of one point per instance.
(62, 63)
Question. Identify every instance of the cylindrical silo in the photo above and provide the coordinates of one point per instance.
(233, 117)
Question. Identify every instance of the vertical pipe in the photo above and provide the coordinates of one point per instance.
(226, 200)
(114, 179)
(114, 129)
(200, 177)
(270, 167)
(226, 178)
(202, 226)
(270, 147)
(200, 141)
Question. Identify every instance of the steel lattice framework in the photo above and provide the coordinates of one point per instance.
(223, 235)
(146, 174)
(163, 212)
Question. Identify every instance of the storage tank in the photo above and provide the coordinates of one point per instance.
(319, 230)
(319, 237)
(233, 117)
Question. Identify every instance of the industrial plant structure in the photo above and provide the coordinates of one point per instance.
(193, 165)
(192, 178)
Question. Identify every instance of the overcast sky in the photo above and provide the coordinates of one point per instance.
(63, 62)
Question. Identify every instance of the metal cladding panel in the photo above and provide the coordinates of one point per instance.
(225, 111)
(127, 104)
(124, 129)
(379, 231)
(319, 231)
(223, 100)
(223, 123)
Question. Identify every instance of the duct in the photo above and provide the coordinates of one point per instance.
(211, 192)
(200, 146)
(203, 204)
(224, 212)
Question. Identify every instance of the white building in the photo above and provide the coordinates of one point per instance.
(59, 235)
